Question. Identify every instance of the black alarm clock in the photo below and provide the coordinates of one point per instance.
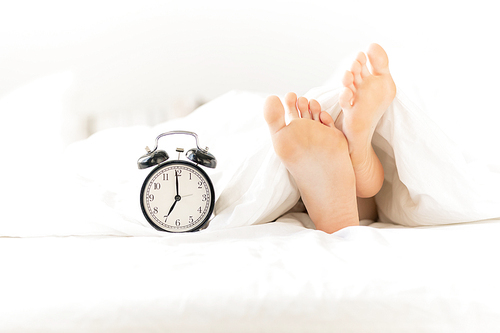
(177, 195)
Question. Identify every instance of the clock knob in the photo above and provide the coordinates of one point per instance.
(202, 157)
(152, 159)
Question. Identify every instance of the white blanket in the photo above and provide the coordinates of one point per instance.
(427, 180)
(93, 188)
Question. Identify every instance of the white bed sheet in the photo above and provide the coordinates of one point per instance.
(277, 277)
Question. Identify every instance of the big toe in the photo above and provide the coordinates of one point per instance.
(378, 59)
(274, 114)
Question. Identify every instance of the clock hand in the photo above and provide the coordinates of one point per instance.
(177, 198)
(176, 182)
(172, 208)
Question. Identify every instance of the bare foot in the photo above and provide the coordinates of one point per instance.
(366, 97)
(316, 155)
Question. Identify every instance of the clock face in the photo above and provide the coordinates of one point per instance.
(177, 196)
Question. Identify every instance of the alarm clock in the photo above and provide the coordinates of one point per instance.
(177, 195)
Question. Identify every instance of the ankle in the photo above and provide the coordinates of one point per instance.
(360, 151)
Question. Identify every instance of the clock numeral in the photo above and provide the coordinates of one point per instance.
(165, 176)
(156, 186)
(178, 172)
(190, 219)
(203, 198)
(190, 176)
(199, 210)
(178, 222)
(151, 197)
(200, 184)
(155, 210)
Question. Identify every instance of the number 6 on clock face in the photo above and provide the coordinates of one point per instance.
(177, 196)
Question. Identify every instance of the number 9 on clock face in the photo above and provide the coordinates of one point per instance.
(177, 196)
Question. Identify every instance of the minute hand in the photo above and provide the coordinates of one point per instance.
(176, 182)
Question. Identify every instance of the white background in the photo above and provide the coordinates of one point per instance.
(143, 62)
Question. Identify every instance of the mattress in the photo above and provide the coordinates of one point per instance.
(276, 277)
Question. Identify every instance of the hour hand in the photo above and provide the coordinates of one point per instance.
(172, 208)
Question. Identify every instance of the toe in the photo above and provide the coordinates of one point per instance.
(356, 72)
(348, 80)
(346, 99)
(315, 109)
(291, 105)
(378, 59)
(326, 119)
(303, 106)
(361, 58)
(274, 114)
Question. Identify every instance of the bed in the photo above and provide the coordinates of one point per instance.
(79, 256)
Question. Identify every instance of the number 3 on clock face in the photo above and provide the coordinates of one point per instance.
(177, 196)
